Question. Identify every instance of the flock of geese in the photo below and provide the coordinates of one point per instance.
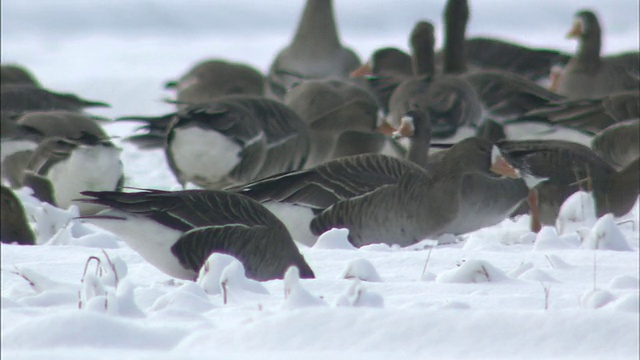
(309, 137)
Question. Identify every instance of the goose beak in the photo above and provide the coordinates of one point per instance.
(576, 30)
(386, 129)
(500, 166)
(364, 70)
(406, 129)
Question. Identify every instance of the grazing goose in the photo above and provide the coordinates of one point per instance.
(12, 74)
(60, 168)
(177, 231)
(235, 139)
(561, 168)
(314, 52)
(618, 144)
(383, 199)
(341, 118)
(14, 226)
(587, 115)
(212, 79)
(450, 101)
(18, 99)
(588, 75)
(25, 134)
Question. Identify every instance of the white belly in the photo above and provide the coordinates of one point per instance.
(207, 155)
(95, 168)
(296, 219)
(148, 238)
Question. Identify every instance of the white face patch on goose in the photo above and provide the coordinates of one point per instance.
(407, 127)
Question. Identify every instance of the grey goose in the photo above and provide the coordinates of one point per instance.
(177, 231)
(341, 117)
(450, 101)
(20, 137)
(588, 74)
(481, 53)
(588, 115)
(618, 144)
(22, 98)
(14, 74)
(314, 52)
(235, 139)
(61, 167)
(381, 199)
(211, 79)
(558, 168)
(14, 227)
(204, 82)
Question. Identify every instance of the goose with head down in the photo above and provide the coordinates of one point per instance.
(177, 231)
(386, 200)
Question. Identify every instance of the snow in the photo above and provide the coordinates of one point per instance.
(500, 292)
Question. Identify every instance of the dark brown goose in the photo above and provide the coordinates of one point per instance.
(14, 226)
(314, 52)
(13, 74)
(341, 117)
(188, 226)
(588, 75)
(562, 168)
(235, 139)
(386, 200)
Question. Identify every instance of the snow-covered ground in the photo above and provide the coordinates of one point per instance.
(501, 292)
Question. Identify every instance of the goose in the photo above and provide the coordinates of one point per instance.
(206, 81)
(503, 94)
(314, 52)
(587, 74)
(561, 168)
(341, 117)
(14, 74)
(451, 101)
(18, 99)
(60, 168)
(235, 139)
(618, 144)
(176, 231)
(214, 78)
(588, 115)
(20, 137)
(13, 221)
(477, 54)
(381, 199)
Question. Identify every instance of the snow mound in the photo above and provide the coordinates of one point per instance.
(628, 303)
(576, 213)
(537, 275)
(548, 239)
(334, 239)
(358, 296)
(295, 295)
(472, 271)
(606, 235)
(361, 269)
(596, 298)
(624, 282)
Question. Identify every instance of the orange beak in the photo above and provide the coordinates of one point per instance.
(386, 128)
(405, 130)
(364, 70)
(500, 166)
(576, 30)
